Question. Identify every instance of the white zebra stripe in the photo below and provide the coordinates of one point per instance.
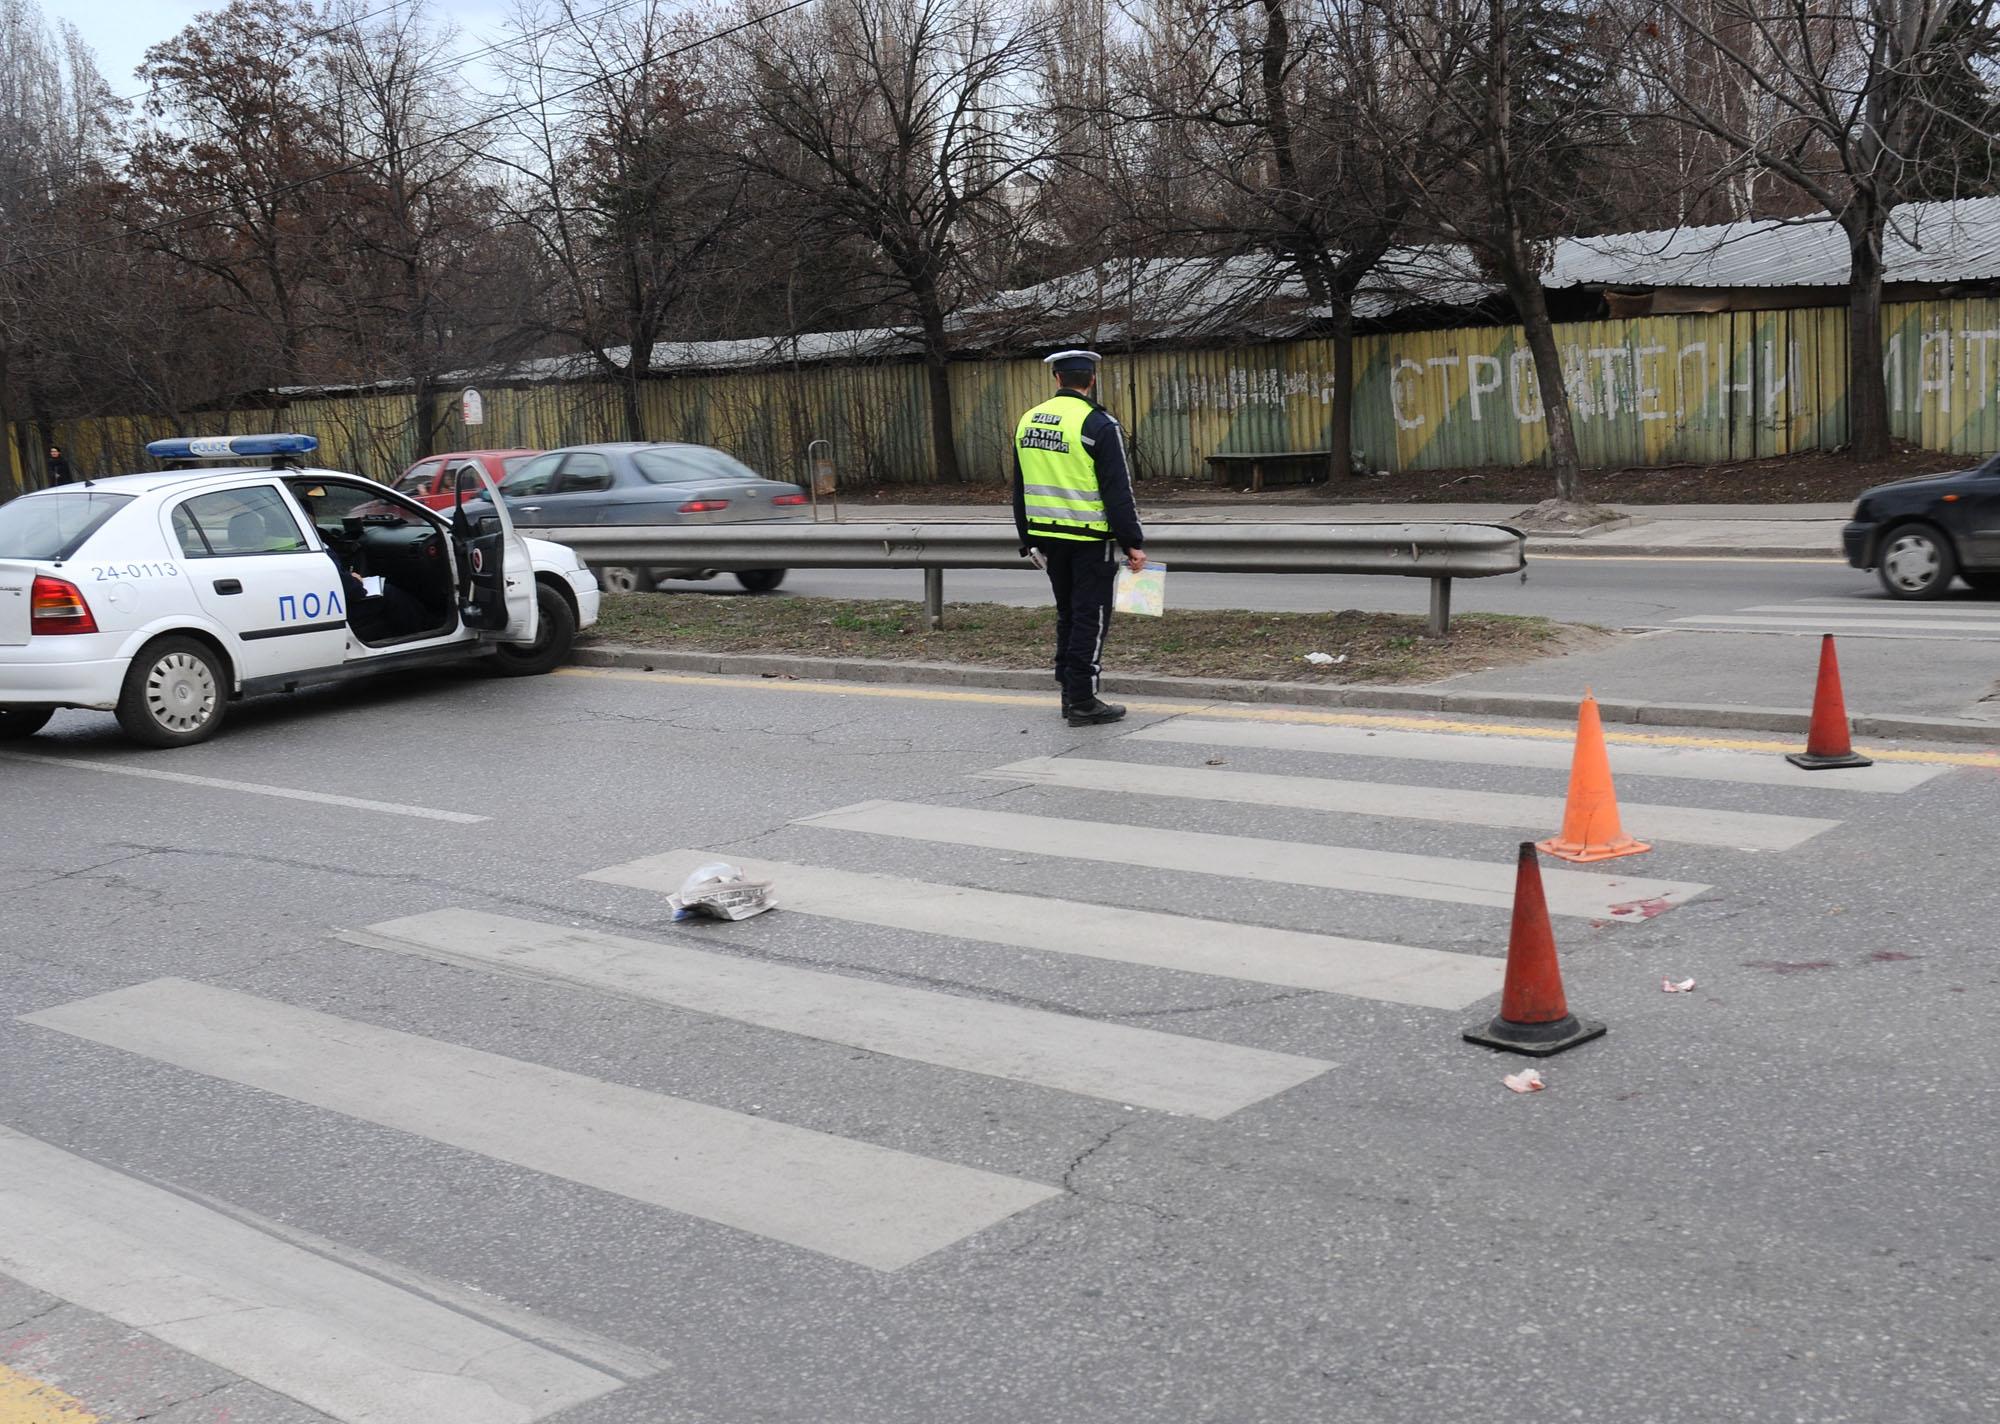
(1363, 969)
(341, 1340)
(849, 1200)
(1370, 872)
(1124, 1064)
(1741, 830)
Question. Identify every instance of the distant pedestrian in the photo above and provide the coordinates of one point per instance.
(1074, 510)
(58, 466)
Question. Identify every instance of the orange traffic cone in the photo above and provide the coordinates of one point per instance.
(1590, 829)
(1827, 744)
(1534, 1016)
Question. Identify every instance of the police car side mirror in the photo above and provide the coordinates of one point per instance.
(489, 524)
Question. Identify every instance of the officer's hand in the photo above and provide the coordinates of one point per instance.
(1135, 559)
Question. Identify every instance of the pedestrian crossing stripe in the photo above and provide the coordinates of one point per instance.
(1293, 959)
(1142, 1066)
(337, 1339)
(853, 1201)
(1739, 830)
(1402, 744)
(1373, 872)
(1935, 628)
(1885, 608)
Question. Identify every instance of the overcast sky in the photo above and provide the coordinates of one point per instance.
(121, 31)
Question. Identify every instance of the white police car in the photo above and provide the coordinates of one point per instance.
(162, 597)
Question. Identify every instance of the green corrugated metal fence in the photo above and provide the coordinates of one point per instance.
(1648, 391)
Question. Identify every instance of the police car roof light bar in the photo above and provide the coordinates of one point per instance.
(221, 447)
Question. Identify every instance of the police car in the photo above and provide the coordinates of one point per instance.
(164, 597)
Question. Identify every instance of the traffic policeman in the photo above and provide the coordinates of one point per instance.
(1074, 510)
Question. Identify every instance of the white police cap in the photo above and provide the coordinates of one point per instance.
(1074, 361)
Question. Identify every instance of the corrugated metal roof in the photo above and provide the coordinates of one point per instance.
(1190, 298)
(1927, 242)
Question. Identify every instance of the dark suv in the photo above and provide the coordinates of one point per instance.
(1918, 533)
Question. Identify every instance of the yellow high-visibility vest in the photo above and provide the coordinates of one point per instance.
(1058, 477)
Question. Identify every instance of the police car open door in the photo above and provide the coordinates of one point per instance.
(496, 579)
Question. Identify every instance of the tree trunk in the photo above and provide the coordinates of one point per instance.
(1532, 303)
(635, 414)
(1342, 434)
(937, 379)
(428, 417)
(10, 485)
(1867, 385)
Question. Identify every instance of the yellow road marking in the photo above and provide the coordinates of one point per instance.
(26, 1400)
(1243, 713)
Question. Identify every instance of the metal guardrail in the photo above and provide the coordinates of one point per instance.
(1438, 552)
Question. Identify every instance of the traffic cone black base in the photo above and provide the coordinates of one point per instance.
(1810, 762)
(1537, 1040)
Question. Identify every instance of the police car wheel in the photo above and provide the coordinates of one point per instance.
(760, 580)
(175, 694)
(555, 632)
(18, 722)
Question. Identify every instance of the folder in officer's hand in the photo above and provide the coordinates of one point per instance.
(1144, 592)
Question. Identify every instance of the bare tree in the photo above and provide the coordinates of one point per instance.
(1859, 105)
(412, 220)
(225, 175)
(1287, 140)
(622, 169)
(56, 120)
(902, 127)
(1532, 132)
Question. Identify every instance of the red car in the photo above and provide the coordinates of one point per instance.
(431, 481)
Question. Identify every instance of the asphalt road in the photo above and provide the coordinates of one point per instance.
(265, 1156)
(1614, 592)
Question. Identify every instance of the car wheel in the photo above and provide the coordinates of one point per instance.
(1917, 562)
(623, 578)
(18, 722)
(1982, 583)
(760, 580)
(555, 634)
(175, 694)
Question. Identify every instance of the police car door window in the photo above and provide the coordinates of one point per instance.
(234, 522)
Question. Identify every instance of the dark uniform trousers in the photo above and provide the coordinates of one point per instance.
(1082, 575)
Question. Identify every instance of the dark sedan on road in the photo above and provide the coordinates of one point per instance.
(1918, 533)
(634, 482)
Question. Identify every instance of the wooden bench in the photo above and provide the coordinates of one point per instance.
(1280, 467)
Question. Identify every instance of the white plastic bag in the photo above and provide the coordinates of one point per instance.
(718, 891)
(1144, 592)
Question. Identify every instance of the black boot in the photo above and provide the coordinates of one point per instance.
(1093, 713)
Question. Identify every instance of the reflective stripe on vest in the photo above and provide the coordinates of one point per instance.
(1058, 477)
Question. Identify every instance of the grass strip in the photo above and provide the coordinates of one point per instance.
(1230, 643)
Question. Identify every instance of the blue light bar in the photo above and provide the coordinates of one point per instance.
(216, 447)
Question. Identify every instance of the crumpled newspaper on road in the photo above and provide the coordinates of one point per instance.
(718, 891)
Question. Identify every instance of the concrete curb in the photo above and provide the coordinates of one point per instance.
(1546, 706)
(1583, 547)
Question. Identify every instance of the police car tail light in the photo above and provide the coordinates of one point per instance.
(57, 606)
(704, 506)
(789, 499)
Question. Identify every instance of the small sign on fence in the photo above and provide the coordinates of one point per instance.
(471, 408)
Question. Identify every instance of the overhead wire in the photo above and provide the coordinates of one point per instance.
(362, 164)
